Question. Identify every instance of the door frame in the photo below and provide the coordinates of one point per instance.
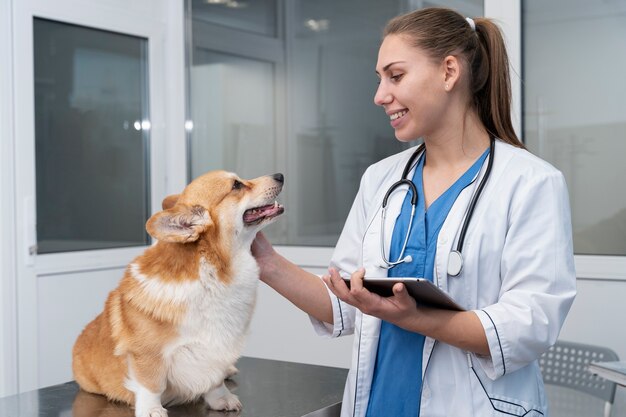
(161, 22)
(8, 307)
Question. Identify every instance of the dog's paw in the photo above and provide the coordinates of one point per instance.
(152, 412)
(228, 402)
(231, 372)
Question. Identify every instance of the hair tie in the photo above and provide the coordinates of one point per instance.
(471, 23)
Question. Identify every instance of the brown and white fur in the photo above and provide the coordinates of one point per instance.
(173, 329)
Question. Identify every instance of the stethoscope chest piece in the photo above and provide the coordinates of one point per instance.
(455, 263)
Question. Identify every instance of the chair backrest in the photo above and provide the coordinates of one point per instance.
(565, 364)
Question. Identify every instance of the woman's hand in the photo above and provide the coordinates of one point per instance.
(398, 309)
(264, 253)
(458, 328)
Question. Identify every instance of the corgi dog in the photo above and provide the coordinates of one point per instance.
(174, 327)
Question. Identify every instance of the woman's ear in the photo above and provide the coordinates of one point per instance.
(452, 71)
(179, 224)
(169, 201)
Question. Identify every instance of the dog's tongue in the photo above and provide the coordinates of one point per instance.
(259, 212)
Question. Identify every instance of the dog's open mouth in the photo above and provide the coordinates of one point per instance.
(258, 214)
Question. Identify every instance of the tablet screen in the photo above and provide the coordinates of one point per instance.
(423, 290)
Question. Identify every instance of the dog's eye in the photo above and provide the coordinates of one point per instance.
(237, 185)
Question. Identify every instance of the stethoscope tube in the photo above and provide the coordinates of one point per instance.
(455, 259)
(388, 264)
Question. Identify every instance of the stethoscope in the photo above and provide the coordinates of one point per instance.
(455, 259)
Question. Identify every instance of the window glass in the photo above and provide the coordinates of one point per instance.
(256, 16)
(236, 130)
(91, 138)
(337, 130)
(574, 111)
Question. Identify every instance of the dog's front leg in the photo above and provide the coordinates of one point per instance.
(220, 398)
(147, 380)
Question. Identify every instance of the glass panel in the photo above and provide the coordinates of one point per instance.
(233, 113)
(91, 138)
(574, 111)
(338, 131)
(256, 16)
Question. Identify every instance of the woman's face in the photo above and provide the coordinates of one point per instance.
(411, 90)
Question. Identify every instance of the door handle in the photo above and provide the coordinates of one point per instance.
(30, 230)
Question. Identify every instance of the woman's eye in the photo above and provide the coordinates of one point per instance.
(396, 77)
(237, 185)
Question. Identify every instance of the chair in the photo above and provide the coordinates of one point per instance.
(565, 364)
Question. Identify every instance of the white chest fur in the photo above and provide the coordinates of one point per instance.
(218, 314)
(212, 332)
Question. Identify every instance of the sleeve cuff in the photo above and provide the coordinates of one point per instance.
(493, 365)
(340, 320)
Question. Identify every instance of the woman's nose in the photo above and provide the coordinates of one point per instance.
(382, 95)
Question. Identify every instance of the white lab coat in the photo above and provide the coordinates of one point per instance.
(518, 277)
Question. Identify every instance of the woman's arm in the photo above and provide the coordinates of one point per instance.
(462, 329)
(305, 290)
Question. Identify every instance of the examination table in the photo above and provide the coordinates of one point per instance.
(266, 388)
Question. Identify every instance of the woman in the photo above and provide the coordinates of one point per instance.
(445, 78)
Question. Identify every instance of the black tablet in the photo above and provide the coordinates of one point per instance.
(424, 291)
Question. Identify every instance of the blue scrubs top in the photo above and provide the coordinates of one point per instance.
(397, 381)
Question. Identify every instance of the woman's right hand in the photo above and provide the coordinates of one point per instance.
(263, 252)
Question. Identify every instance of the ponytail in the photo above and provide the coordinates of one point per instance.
(490, 68)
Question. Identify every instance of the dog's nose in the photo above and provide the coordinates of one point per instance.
(279, 177)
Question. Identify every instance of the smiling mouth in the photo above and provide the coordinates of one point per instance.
(397, 115)
(259, 214)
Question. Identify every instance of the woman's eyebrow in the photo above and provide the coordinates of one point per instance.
(386, 67)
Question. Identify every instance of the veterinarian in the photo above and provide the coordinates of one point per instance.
(445, 78)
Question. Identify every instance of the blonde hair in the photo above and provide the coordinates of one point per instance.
(441, 32)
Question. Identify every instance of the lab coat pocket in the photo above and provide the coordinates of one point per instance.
(487, 403)
(505, 406)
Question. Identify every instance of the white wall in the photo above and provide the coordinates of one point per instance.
(597, 316)
(66, 303)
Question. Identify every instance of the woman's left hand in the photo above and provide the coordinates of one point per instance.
(462, 329)
(399, 308)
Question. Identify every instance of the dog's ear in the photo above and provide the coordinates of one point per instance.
(169, 201)
(179, 224)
